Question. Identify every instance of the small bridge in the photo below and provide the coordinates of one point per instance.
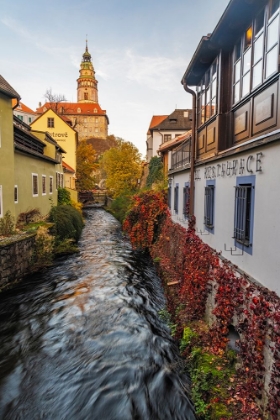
(93, 198)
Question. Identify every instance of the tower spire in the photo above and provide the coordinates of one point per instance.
(87, 84)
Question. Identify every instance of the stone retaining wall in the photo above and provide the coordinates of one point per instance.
(15, 258)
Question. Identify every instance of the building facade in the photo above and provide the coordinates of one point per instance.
(165, 128)
(86, 115)
(231, 172)
(59, 127)
(24, 113)
(30, 165)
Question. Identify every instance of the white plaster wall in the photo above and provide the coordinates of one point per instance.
(264, 263)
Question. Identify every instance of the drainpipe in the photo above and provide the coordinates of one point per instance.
(187, 89)
(18, 100)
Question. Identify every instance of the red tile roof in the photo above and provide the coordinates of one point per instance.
(24, 108)
(175, 142)
(156, 119)
(67, 167)
(71, 108)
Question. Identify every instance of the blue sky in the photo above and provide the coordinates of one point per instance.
(140, 50)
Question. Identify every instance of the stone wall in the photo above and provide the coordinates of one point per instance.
(15, 258)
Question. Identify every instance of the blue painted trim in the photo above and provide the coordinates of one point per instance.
(240, 180)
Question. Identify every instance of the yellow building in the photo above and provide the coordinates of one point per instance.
(7, 157)
(86, 115)
(30, 166)
(60, 130)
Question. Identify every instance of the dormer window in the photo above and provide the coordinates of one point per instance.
(79, 110)
(95, 110)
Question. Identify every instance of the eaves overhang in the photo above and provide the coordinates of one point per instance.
(232, 24)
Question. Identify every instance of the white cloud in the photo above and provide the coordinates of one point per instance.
(155, 72)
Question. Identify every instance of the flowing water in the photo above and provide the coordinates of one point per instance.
(83, 340)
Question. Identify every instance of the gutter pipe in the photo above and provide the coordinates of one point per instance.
(193, 142)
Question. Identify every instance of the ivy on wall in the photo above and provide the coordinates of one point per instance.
(195, 270)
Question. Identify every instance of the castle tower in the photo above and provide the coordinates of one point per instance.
(87, 84)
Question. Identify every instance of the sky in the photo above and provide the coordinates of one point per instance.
(140, 50)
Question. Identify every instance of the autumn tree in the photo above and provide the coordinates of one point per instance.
(86, 165)
(122, 167)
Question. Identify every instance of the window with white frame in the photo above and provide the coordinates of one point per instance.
(51, 185)
(207, 94)
(16, 194)
(35, 185)
(244, 212)
(43, 184)
(166, 137)
(255, 55)
(209, 203)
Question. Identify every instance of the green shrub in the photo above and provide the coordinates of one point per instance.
(120, 205)
(68, 222)
(63, 196)
(43, 247)
(155, 171)
(7, 224)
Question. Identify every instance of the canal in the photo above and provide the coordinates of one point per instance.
(83, 339)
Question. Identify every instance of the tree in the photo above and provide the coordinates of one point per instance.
(86, 165)
(122, 167)
(155, 171)
(54, 99)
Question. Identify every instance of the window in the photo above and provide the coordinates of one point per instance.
(43, 184)
(255, 55)
(209, 199)
(50, 122)
(51, 184)
(96, 120)
(96, 130)
(244, 212)
(85, 96)
(29, 120)
(207, 94)
(16, 194)
(166, 137)
(186, 200)
(176, 198)
(35, 185)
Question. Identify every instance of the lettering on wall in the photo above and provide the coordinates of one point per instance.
(59, 136)
(249, 165)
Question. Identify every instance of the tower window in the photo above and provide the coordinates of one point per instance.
(85, 96)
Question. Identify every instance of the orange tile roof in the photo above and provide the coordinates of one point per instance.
(175, 142)
(67, 167)
(156, 119)
(22, 107)
(71, 108)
